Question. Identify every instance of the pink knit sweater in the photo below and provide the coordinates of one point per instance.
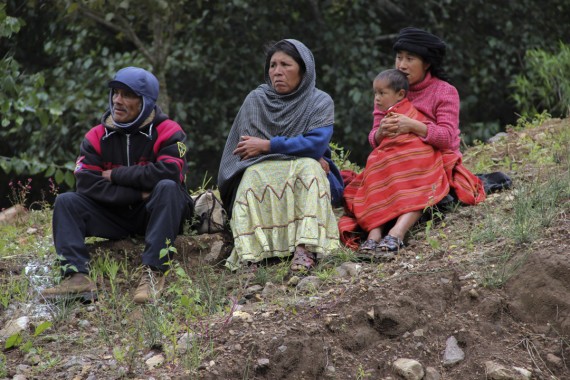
(439, 101)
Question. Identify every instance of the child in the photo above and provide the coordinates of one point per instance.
(403, 175)
(390, 90)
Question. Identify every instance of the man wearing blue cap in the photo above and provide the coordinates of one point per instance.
(130, 179)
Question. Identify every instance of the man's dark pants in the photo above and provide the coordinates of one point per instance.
(76, 216)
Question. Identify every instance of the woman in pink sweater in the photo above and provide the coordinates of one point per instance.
(419, 55)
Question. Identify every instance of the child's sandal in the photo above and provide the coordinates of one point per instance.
(390, 244)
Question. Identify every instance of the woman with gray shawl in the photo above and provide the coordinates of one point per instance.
(276, 178)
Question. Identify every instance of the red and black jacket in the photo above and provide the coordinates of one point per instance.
(139, 160)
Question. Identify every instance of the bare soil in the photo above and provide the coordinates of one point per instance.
(512, 309)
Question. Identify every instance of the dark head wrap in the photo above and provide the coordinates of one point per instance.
(428, 46)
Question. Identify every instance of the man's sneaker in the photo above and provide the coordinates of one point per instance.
(150, 286)
(78, 285)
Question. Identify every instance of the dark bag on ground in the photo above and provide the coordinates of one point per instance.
(495, 181)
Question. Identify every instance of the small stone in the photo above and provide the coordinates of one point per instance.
(453, 354)
(352, 269)
(525, 373)
(269, 290)
(340, 272)
(262, 363)
(330, 371)
(254, 289)
(467, 276)
(73, 362)
(309, 284)
(497, 137)
(33, 359)
(553, 359)
(495, 371)
(23, 368)
(14, 326)
(185, 342)
(432, 374)
(409, 369)
(155, 361)
(217, 251)
(294, 281)
(242, 316)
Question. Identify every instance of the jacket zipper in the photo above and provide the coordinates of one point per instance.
(128, 150)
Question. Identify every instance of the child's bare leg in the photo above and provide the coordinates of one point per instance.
(371, 242)
(375, 234)
(404, 223)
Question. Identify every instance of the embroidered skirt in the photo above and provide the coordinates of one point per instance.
(279, 205)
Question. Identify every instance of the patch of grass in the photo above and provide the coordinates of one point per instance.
(339, 256)
(3, 366)
(212, 289)
(9, 237)
(195, 352)
(499, 269)
(200, 299)
(536, 206)
(13, 289)
(104, 266)
(479, 157)
(325, 274)
(531, 121)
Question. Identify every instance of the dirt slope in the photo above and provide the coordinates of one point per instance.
(506, 303)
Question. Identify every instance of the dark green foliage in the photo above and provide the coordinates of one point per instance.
(207, 55)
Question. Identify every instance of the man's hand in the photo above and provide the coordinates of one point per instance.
(107, 175)
(250, 147)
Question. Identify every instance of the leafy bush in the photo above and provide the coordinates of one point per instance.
(544, 85)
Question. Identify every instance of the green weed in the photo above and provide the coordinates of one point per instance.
(3, 366)
(536, 206)
(13, 289)
(361, 373)
(499, 269)
(340, 158)
(325, 274)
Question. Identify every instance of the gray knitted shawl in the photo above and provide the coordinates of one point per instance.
(266, 113)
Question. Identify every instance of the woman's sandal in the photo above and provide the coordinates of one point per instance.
(368, 246)
(303, 260)
(390, 244)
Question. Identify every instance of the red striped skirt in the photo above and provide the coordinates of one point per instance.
(402, 175)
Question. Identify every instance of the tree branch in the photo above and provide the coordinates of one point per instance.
(124, 28)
